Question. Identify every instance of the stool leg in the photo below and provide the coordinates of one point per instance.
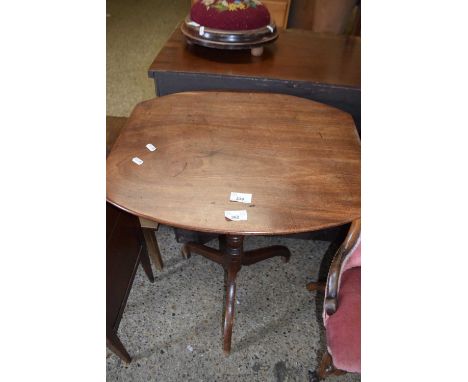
(153, 248)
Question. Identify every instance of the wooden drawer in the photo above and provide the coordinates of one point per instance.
(279, 11)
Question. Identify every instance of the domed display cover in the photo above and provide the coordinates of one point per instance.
(230, 24)
(230, 14)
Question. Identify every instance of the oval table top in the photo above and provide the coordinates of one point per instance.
(299, 159)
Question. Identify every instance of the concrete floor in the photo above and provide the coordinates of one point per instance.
(172, 328)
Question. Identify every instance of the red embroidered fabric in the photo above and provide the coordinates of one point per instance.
(230, 14)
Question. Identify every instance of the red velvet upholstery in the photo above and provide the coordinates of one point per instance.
(230, 14)
(343, 328)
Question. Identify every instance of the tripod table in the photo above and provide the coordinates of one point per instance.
(298, 160)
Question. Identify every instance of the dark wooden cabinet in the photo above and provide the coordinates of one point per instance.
(125, 250)
(320, 67)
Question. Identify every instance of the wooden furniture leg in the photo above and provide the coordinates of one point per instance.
(125, 251)
(145, 263)
(316, 286)
(114, 344)
(231, 257)
(152, 247)
(252, 257)
(327, 368)
(209, 253)
(233, 263)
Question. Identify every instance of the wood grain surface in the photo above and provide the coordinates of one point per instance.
(297, 55)
(300, 160)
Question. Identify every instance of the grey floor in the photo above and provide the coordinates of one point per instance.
(172, 328)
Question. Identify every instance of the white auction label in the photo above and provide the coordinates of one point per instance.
(236, 215)
(150, 147)
(137, 160)
(240, 197)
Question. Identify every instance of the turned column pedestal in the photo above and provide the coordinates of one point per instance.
(231, 257)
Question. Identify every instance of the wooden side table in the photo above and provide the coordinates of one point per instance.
(299, 159)
(125, 250)
(319, 67)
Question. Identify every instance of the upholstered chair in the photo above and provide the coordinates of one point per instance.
(342, 309)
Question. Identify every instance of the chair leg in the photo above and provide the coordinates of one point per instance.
(153, 248)
(313, 377)
(316, 286)
(327, 368)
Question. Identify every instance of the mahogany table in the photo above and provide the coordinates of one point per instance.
(299, 159)
(319, 67)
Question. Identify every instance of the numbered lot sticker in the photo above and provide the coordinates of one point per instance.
(240, 197)
(236, 215)
(137, 160)
(150, 147)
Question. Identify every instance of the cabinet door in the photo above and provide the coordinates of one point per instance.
(122, 259)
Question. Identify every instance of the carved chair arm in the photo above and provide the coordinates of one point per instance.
(333, 280)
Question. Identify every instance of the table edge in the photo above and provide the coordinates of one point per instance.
(234, 232)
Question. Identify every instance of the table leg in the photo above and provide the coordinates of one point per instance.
(232, 257)
(200, 249)
(252, 257)
(233, 254)
(114, 344)
(145, 263)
